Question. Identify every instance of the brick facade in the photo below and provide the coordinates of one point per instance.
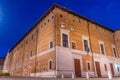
(41, 51)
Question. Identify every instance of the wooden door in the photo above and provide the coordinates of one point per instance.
(77, 67)
(112, 69)
(98, 69)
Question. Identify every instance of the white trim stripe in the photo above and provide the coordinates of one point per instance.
(44, 52)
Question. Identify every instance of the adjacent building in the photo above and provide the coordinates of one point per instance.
(65, 43)
(1, 63)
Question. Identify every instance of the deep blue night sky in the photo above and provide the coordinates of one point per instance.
(18, 16)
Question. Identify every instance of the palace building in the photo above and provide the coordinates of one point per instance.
(63, 43)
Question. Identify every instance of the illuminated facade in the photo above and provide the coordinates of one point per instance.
(65, 43)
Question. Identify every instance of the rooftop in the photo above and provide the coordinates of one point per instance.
(63, 8)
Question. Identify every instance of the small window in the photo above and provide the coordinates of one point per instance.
(52, 17)
(48, 20)
(86, 48)
(88, 66)
(26, 41)
(115, 53)
(73, 45)
(21, 45)
(102, 49)
(105, 67)
(32, 37)
(72, 28)
(61, 16)
(30, 53)
(79, 20)
(50, 65)
(63, 25)
(51, 44)
(44, 23)
(65, 40)
(41, 26)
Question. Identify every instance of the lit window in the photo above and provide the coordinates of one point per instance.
(65, 40)
(102, 49)
(115, 53)
(86, 48)
(51, 44)
(73, 45)
(63, 25)
(50, 65)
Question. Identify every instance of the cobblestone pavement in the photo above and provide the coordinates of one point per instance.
(32, 78)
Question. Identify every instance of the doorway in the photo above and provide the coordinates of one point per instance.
(97, 64)
(77, 67)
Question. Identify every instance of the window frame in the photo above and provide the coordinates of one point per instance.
(105, 67)
(50, 69)
(64, 31)
(72, 45)
(50, 43)
(65, 41)
(115, 54)
(102, 42)
(62, 25)
(86, 38)
(89, 65)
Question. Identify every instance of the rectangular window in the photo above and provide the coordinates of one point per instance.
(50, 65)
(88, 66)
(30, 53)
(51, 44)
(65, 40)
(102, 49)
(73, 45)
(118, 69)
(105, 67)
(63, 25)
(115, 53)
(86, 45)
